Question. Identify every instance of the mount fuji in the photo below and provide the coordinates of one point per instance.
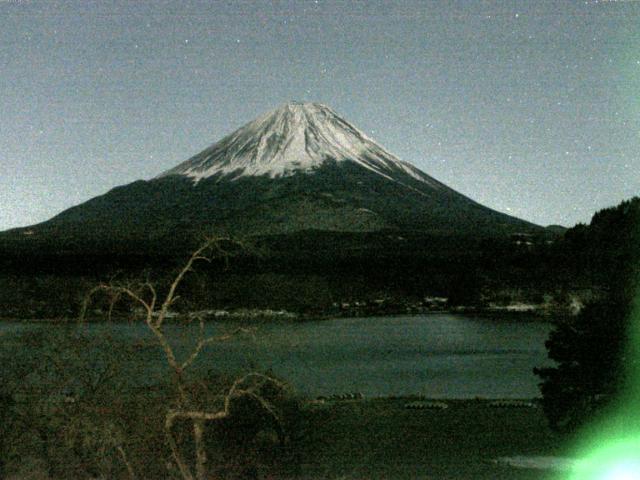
(297, 137)
(300, 167)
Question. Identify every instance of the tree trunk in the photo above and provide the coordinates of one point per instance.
(201, 452)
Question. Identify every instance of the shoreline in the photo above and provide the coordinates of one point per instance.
(263, 316)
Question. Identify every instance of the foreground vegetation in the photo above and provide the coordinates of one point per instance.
(74, 407)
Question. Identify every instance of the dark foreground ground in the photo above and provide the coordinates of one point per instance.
(381, 439)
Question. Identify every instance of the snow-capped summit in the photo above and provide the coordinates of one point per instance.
(292, 138)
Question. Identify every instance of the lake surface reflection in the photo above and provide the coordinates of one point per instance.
(436, 355)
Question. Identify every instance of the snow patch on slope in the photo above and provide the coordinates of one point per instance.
(295, 137)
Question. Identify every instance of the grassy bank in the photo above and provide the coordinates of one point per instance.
(381, 439)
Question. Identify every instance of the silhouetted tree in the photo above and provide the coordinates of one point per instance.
(589, 351)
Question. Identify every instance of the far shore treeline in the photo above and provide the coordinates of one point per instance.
(319, 272)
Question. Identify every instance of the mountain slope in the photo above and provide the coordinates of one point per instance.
(299, 167)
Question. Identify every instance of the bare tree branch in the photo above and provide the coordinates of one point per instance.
(125, 460)
(185, 471)
(203, 342)
(195, 256)
(154, 318)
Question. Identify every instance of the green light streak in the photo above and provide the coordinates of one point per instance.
(617, 460)
(610, 448)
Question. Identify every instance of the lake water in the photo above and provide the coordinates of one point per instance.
(436, 355)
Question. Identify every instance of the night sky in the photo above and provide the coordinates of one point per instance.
(529, 107)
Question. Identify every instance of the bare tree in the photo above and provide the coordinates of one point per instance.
(156, 311)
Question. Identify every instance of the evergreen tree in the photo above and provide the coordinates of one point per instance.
(589, 349)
